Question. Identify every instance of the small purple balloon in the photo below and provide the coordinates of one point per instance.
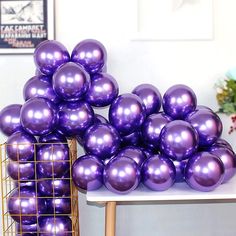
(150, 96)
(58, 226)
(49, 55)
(20, 146)
(179, 140)
(202, 107)
(133, 139)
(207, 124)
(10, 119)
(59, 205)
(103, 90)
(204, 172)
(222, 143)
(91, 54)
(71, 82)
(74, 118)
(178, 101)
(179, 168)
(54, 137)
(27, 229)
(24, 183)
(87, 172)
(151, 129)
(127, 113)
(121, 175)
(100, 119)
(101, 140)
(38, 116)
(40, 86)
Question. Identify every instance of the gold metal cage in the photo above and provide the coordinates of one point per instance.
(8, 185)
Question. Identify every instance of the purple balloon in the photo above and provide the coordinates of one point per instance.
(204, 172)
(121, 175)
(49, 55)
(201, 107)
(26, 229)
(38, 116)
(229, 160)
(178, 101)
(208, 126)
(91, 54)
(71, 82)
(74, 118)
(150, 96)
(52, 160)
(58, 226)
(133, 139)
(151, 129)
(20, 146)
(21, 170)
(101, 140)
(127, 113)
(103, 90)
(134, 153)
(87, 172)
(179, 168)
(24, 183)
(59, 205)
(10, 119)
(53, 138)
(40, 86)
(179, 140)
(158, 173)
(222, 143)
(100, 119)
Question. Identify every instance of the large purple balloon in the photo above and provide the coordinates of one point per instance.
(49, 55)
(52, 160)
(59, 205)
(204, 171)
(207, 124)
(133, 139)
(10, 119)
(228, 158)
(127, 113)
(179, 140)
(91, 54)
(151, 129)
(100, 119)
(121, 175)
(25, 230)
(101, 140)
(178, 101)
(71, 82)
(58, 226)
(103, 90)
(38, 116)
(87, 172)
(54, 137)
(40, 86)
(179, 168)
(20, 146)
(150, 96)
(158, 173)
(74, 118)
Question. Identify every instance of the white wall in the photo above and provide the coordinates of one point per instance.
(163, 63)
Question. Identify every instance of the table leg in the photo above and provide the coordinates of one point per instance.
(110, 219)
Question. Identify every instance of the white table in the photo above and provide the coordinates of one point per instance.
(180, 192)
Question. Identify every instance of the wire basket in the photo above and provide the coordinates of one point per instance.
(10, 186)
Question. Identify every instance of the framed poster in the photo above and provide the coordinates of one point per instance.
(24, 24)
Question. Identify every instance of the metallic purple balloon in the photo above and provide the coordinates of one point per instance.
(55, 226)
(150, 96)
(20, 146)
(151, 129)
(222, 143)
(179, 140)
(40, 86)
(228, 158)
(133, 139)
(100, 119)
(24, 230)
(53, 138)
(134, 153)
(204, 172)
(127, 113)
(208, 126)
(179, 168)
(49, 55)
(87, 172)
(71, 82)
(101, 140)
(103, 90)
(121, 175)
(54, 188)
(91, 54)
(52, 160)
(178, 101)
(74, 118)
(10, 119)
(24, 183)
(201, 107)
(38, 116)
(21, 170)
(158, 173)
(59, 205)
